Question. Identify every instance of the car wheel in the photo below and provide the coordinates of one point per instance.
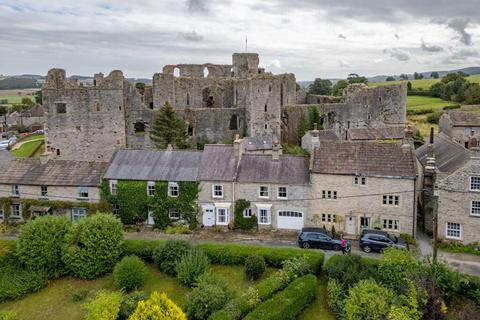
(367, 249)
(305, 245)
(336, 247)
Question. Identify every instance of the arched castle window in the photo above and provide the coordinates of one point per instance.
(139, 128)
(265, 108)
(188, 99)
(176, 72)
(205, 72)
(151, 105)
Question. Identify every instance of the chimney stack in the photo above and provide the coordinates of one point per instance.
(44, 157)
(276, 149)
(238, 147)
(169, 147)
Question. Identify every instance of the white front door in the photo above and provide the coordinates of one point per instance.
(150, 220)
(208, 218)
(350, 225)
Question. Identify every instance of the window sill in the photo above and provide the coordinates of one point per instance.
(265, 223)
(281, 198)
(265, 197)
(474, 215)
(217, 197)
(222, 223)
(453, 238)
(83, 199)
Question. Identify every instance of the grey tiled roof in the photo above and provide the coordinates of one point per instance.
(449, 155)
(376, 134)
(328, 135)
(364, 158)
(464, 118)
(218, 163)
(288, 169)
(258, 143)
(53, 173)
(162, 165)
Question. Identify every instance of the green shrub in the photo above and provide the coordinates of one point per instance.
(235, 254)
(456, 106)
(168, 255)
(240, 221)
(408, 238)
(157, 306)
(434, 118)
(335, 297)
(396, 266)
(93, 246)
(79, 295)
(142, 248)
(254, 267)
(449, 281)
(8, 315)
(129, 304)
(191, 266)
(178, 229)
(40, 242)
(104, 306)
(458, 247)
(349, 269)
(16, 281)
(296, 267)
(272, 284)
(417, 112)
(368, 300)
(288, 303)
(129, 273)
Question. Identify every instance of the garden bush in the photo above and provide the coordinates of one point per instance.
(235, 254)
(8, 315)
(448, 281)
(143, 249)
(397, 265)
(191, 266)
(157, 307)
(104, 306)
(288, 303)
(129, 273)
(335, 297)
(40, 242)
(178, 229)
(93, 246)
(130, 303)
(254, 267)
(241, 222)
(349, 269)
(296, 267)
(168, 255)
(408, 238)
(434, 118)
(458, 247)
(16, 281)
(368, 300)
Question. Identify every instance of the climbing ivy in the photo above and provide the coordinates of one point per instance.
(240, 221)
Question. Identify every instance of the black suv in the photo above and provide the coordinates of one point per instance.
(378, 240)
(318, 238)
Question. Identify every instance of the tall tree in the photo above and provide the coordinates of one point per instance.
(337, 89)
(169, 128)
(355, 78)
(320, 86)
(434, 75)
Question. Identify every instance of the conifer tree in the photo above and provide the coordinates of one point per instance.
(168, 128)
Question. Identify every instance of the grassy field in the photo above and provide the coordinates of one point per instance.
(55, 302)
(417, 103)
(424, 84)
(16, 99)
(29, 148)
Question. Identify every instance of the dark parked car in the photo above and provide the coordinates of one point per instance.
(378, 240)
(318, 238)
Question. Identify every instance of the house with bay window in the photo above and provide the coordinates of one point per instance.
(30, 188)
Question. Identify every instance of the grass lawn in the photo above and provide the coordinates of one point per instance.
(15, 99)
(55, 302)
(425, 103)
(31, 137)
(424, 84)
(319, 308)
(28, 149)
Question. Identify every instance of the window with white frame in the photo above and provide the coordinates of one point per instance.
(15, 211)
(391, 200)
(474, 183)
(247, 213)
(78, 213)
(282, 193)
(327, 217)
(151, 188)
(263, 192)
(329, 194)
(390, 224)
(173, 189)
(222, 215)
(217, 191)
(453, 230)
(359, 181)
(83, 192)
(294, 214)
(15, 190)
(475, 208)
(44, 191)
(173, 214)
(264, 216)
(113, 187)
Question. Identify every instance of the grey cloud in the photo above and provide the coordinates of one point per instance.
(430, 48)
(396, 36)
(398, 54)
(460, 56)
(341, 36)
(197, 5)
(191, 36)
(459, 26)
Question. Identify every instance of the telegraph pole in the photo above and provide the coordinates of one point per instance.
(430, 169)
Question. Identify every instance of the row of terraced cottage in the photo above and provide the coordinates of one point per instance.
(345, 184)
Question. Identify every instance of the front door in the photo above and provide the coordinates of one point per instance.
(208, 218)
(350, 225)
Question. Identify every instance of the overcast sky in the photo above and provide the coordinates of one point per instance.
(311, 38)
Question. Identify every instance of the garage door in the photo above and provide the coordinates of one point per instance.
(290, 220)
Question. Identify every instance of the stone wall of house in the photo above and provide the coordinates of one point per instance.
(205, 196)
(358, 201)
(455, 200)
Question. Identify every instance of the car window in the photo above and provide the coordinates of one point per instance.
(323, 237)
(312, 236)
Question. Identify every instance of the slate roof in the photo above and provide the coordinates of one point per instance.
(449, 155)
(5, 157)
(255, 168)
(376, 134)
(150, 165)
(53, 173)
(218, 163)
(368, 158)
(258, 143)
(464, 118)
(328, 135)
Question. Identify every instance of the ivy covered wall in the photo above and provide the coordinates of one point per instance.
(134, 203)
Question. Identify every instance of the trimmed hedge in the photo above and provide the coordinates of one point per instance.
(141, 248)
(235, 254)
(288, 303)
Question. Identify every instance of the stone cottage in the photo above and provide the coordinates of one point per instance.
(461, 125)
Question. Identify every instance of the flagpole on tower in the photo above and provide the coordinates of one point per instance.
(246, 44)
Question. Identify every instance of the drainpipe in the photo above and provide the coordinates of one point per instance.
(414, 227)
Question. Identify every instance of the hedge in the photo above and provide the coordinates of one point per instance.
(235, 254)
(288, 303)
(141, 248)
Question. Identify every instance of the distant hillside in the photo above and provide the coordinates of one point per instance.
(18, 83)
